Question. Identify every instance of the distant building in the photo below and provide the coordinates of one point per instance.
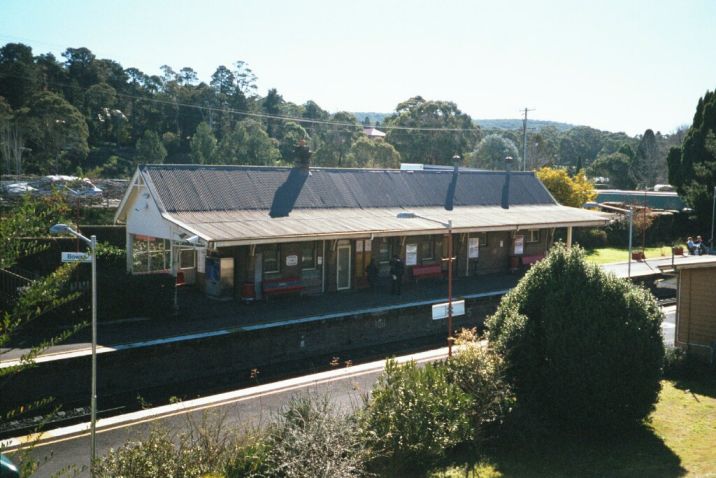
(373, 133)
(660, 200)
(248, 231)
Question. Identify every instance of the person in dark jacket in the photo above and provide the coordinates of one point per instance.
(397, 269)
(372, 272)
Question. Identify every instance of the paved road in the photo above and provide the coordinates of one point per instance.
(70, 447)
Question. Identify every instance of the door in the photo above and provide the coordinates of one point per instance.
(343, 267)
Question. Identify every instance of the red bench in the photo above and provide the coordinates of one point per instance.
(280, 286)
(530, 260)
(432, 270)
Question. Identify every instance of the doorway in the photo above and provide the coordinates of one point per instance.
(343, 267)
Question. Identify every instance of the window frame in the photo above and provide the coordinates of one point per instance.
(532, 236)
(312, 245)
(276, 250)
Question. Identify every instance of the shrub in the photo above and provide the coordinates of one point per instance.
(311, 439)
(479, 371)
(591, 238)
(582, 347)
(415, 415)
(204, 448)
(679, 364)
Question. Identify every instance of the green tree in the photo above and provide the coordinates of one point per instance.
(337, 139)
(247, 143)
(582, 347)
(692, 168)
(446, 131)
(616, 167)
(36, 299)
(18, 74)
(57, 134)
(645, 168)
(492, 151)
(150, 149)
(203, 144)
(291, 134)
(373, 153)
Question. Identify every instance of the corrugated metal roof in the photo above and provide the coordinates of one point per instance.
(182, 188)
(226, 228)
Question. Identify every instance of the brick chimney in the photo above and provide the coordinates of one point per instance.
(302, 155)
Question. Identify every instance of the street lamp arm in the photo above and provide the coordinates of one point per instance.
(64, 228)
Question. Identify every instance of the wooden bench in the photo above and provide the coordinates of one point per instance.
(528, 261)
(432, 270)
(280, 286)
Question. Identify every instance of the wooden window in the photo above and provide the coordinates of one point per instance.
(532, 235)
(150, 254)
(384, 252)
(483, 238)
(271, 258)
(308, 255)
(426, 249)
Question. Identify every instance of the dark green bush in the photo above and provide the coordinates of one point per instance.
(591, 238)
(582, 347)
(679, 364)
(414, 416)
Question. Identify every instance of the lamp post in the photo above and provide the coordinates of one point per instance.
(448, 225)
(92, 242)
(629, 213)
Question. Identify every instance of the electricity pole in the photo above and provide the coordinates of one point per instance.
(524, 139)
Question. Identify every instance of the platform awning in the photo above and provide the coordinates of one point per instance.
(233, 228)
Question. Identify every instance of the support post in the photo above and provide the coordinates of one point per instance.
(569, 237)
(450, 260)
(93, 403)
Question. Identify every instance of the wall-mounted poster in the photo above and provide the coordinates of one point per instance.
(519, 245)
(473, 249)
(292, 260)
(359, 246)
(411, 254)
(368, 244)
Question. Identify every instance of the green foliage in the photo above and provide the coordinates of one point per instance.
(582, 347)
(616, 167)
(455, 132)
(480, 372)
(693, 171)
(415, 415)
(247, 143)
(150, 149)
(337, 139)
(373, 153)
(492, 151)
(591, 238)
(310, 438)
(203, 449)
(203, 144)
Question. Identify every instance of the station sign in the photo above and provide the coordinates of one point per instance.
(76, 257)
(440, 311)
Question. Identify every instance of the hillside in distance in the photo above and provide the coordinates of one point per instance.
(485, 124)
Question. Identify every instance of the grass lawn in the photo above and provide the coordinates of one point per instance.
(679, 440)
(608, 255)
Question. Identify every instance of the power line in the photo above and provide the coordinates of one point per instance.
(254, 114)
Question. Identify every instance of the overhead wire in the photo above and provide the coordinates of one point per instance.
(254, 114)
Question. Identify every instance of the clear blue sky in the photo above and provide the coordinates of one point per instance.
(614, 65)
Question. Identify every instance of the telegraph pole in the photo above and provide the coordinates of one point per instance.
(524, 139)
